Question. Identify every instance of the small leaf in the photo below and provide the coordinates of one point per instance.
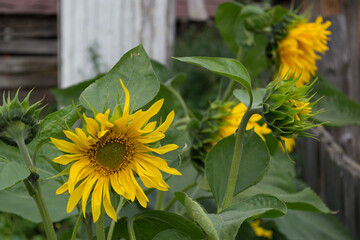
(54, 123)
(254, 164)
(340, 110)
(64, 172)
(137, 74)
(197, 213)
(12, 173)
(227, 67)
(243, 96)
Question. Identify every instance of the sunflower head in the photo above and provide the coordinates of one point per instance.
(18, 119)
(110, 152)
(296, 44)
(287, 109)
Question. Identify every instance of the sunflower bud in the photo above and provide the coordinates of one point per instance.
(287, 109)
(18, 120)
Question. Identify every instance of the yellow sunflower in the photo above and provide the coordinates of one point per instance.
(297, 51)
(108, 153)
(232, 121)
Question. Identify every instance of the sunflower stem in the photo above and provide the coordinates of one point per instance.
(88, 224)
(33, 187)
(100, 227)
(235, 164)
(112, 225)
(131, 230)
(77, 224)
(160, 200)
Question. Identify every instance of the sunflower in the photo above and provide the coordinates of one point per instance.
(231, 122)
(260, 231)
(297, 51)
(109, 152)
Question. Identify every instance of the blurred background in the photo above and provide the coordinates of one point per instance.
(45, 44)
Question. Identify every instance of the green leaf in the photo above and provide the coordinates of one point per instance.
(64, 172)
(12, 173)
(66, 96)
(308, 225)
(254, 164)
(148, 224)
(243, 96)
(137, 74)
(225, 19)
(54, 123)
(227, 67)
(171, 234)
(340, 110)
(255, 56)
(279, 182)
(18, 201)
(228, 222)
(197, 213)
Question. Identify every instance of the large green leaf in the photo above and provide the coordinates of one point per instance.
(309, 225)
(12, 173)
(54, 123)
(227, 67)
(228, 222)
(197, 213)
(340, 110)
(253, 165)
(225, 19)
(135, 70)
(18, 201)
(279, 182)
(148, 224)
(171, 234)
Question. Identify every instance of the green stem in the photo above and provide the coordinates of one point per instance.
(45, 213)
(88, 224)
(131, 230)
(100, 226)
(167, 208)
(25, 154)
(77, 224)
(235, 164)
(160, 200)
(112, 225)
(229, 90)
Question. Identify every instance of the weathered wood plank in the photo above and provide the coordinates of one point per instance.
(29, 23)
(30, 46)
(117, 27)
(29, 80)
(31, 64)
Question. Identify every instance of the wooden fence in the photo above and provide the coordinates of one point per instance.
(331, 166)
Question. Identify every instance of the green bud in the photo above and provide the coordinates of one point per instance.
(18, 120)
(287, 109)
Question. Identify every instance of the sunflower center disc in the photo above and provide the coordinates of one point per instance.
(111, 155)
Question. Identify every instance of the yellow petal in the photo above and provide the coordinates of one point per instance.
(158, 162)
(67, 158)
(66, 146)
(152, 137)
(169, 119)
(92, 127)
(140, 195)
(148, 127)
(107, 203)
(164, 149)
(75, 197)
(79, 141)
(115, 184)
(129, 188)
(76, 173)
(127, 99)
(96, 199)
(88, 187)
(62, 189)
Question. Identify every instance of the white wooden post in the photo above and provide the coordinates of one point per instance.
(94, 34)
